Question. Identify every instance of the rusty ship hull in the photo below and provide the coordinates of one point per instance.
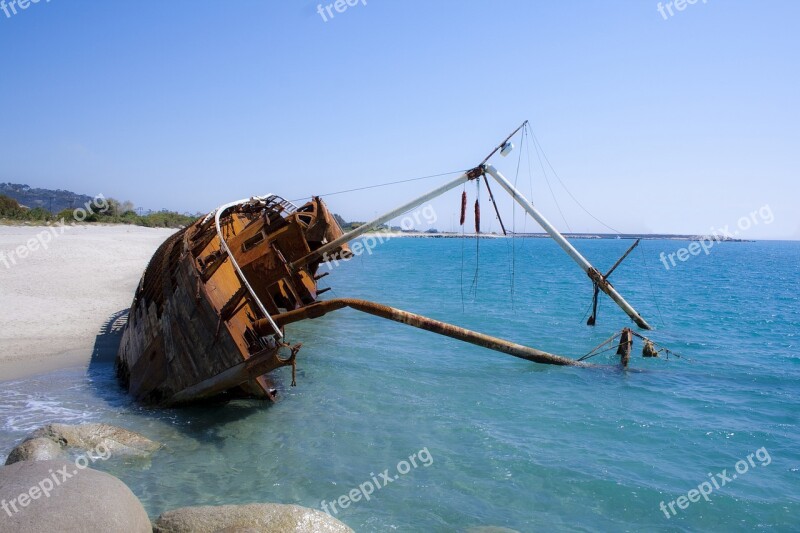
(192, 317)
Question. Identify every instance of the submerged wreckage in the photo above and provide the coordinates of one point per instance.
(207, 318)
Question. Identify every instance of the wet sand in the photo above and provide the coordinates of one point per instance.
(58, 291)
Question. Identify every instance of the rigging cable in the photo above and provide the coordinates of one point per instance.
(647, 270)
(463, 237)
(536, 143)
(652, 290)
(544, 173)
(514, 221)
(594, 351)
(382, 185)
(530, 176)
(474, 288)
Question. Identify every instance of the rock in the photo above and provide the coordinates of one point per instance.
(89, 437)
(103, 440)
(40, 449)
(263, 518)
(57, 496)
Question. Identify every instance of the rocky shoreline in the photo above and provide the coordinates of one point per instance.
(41, 489)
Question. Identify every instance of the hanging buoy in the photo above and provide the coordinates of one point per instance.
(463, 208)
(649, 349)
(477, 217)
(593, 318)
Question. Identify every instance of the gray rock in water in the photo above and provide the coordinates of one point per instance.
(263, 518)
(104, 440)
(40, 449)
(57, 496)
(89, 437)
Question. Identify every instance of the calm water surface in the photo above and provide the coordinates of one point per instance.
(511, 443)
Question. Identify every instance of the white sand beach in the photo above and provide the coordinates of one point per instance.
(57, 292)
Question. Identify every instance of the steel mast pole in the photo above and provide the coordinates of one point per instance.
(587, 267)
(359, 231)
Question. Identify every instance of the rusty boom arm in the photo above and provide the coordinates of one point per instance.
(418, 321)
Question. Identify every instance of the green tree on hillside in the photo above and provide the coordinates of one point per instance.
(9, 208)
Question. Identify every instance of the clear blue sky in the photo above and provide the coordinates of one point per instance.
(655, 125)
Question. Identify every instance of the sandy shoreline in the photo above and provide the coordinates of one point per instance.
(55, 298)
(59, 290)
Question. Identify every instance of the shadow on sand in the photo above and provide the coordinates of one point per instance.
(101, 373)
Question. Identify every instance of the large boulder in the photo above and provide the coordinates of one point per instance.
(87, 437)
(261, 518)
(104, 439)
(58, 496)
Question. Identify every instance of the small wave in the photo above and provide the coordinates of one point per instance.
(23, 413)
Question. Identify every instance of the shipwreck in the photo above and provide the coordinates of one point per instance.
(208, 316)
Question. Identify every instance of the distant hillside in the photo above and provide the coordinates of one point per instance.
(45, 206)
(53, 201)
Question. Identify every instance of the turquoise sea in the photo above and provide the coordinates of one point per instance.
(498, 441)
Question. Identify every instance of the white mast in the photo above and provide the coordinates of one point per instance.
(587, 267)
